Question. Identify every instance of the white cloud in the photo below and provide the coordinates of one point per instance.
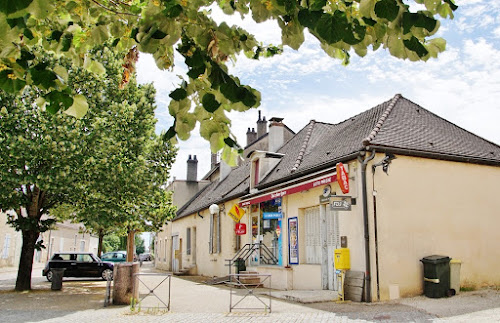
(460, 86)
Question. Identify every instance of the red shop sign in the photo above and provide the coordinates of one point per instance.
(240, 229)
(342, 178)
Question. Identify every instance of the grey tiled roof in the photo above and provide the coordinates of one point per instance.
(398, 125)
(234, 185)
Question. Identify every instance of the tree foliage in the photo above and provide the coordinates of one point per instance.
(208, 91)
(101, 170)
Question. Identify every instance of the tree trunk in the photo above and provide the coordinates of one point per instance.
(130, 246)
(23, 281)
(99, 246)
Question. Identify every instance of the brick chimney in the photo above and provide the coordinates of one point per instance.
(192, 169)
(251, 136)
(261, 126)
(276, 134)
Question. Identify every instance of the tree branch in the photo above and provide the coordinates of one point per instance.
(113, 11)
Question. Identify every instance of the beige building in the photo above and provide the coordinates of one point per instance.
(65, 237)
(418, 185)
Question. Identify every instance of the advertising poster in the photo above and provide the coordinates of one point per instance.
(293, 241)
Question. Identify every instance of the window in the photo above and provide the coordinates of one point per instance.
(6, 246)
(313, 241)
(84, 258)
(188, 241)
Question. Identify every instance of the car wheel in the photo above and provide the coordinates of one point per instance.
(107, 274)
(49, 275)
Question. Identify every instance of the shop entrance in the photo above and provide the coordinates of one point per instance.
(267, 228)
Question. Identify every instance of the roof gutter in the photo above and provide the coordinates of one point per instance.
(435, 155)
(363, 159)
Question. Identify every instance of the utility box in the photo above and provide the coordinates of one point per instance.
(342, 259)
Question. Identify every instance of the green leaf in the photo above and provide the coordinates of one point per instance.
(94, 67)
(308, 18)
(210, 103)
(387, 9)
(418, 19)
(453, 6)
(330, 28)
(414, 45)
(170, 133)
(43, 77)
(11, 6)
(58, 100)
(178, 94)
(9, 83)
(231, 143)
(79, 107)
(317, 5)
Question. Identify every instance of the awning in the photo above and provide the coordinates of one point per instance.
(290, 190)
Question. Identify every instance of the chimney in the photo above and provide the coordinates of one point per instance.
(213, 160)
(251, 136)
(276, 134)
(261, 126)
(192, 169)
(224, 170)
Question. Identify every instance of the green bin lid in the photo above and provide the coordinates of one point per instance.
(434, 259)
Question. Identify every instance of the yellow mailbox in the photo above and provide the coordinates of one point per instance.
(342, 259)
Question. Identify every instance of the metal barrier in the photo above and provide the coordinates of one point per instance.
(107, 297)
(248, 283)
(148, 281)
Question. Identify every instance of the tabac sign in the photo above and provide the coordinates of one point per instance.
(236, 213)
(342, 178)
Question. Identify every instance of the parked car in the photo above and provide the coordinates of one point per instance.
(78, 264)
(145, 257)
(116, 256)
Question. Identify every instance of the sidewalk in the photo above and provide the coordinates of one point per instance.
(192, 301)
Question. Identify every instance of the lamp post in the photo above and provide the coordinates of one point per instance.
(214, 210)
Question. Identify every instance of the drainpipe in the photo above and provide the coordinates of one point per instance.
(364, 161)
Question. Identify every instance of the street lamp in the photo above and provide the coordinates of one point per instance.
(214, 209)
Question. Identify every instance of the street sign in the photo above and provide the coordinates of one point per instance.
(342, 178)
(236, 213)
(340, 203)
(240, 229)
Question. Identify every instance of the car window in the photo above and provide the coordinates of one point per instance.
(61, 257)
(84, 258)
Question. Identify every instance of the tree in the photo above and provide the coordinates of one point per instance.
(99, 167)
(38, 152)
(70, 28)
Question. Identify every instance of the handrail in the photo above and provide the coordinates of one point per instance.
(266, 256)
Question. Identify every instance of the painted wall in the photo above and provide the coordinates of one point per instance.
(426, 207)
(208, 264)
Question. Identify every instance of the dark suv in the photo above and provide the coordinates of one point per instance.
(78, 264)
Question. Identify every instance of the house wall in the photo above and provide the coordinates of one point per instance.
(183, 191)
(208, 264)
(66, 237)
(426, 207)
(10, 243)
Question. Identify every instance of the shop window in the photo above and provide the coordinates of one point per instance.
(188, 241)
(313, 241)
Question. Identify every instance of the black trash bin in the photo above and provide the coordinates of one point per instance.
(57, 278)
(240, 265)
(436, 276)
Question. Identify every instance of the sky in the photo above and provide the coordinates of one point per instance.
(462, 85)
